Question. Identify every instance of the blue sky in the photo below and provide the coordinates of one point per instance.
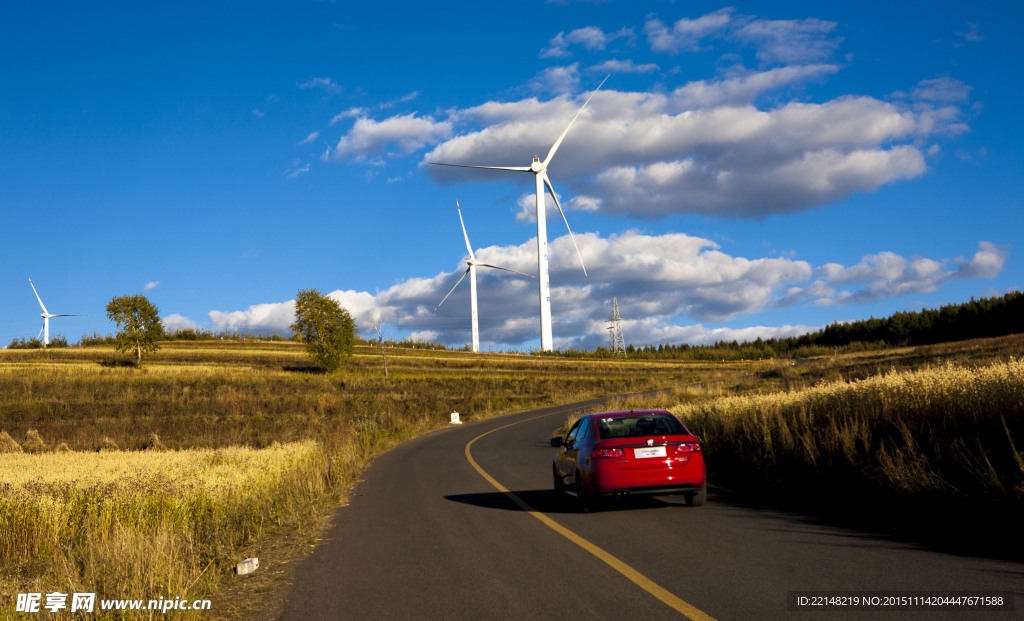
(748, 169)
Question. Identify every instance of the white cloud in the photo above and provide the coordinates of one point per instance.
(326, 84)
(650, 155)
(590, 37)
(790, 41)
(406, 133)
(686, 34)
(296, 170)
(668, 287)
(987, 262)
(351, 113)
(151, 285)
(175, 322)
(557, 79)
(942, 90)
(887, 275)
(620, 67)
(257, 317)
(313, 135)
(774, 41)
(973, 32)
(746, 87)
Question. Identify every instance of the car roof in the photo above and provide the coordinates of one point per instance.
(619, 413)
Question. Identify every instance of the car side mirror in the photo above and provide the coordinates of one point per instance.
(556, 441)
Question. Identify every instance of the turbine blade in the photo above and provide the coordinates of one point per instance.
(450, 292)
(40, 331)
(68, 315)
(547, 182)
(464, 233)
(558, 142)
(498, 267)
(515, 168)
(37, 295)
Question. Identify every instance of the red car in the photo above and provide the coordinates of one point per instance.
(625, 453)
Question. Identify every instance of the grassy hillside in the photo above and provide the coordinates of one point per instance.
(116, 479)
(153, 481)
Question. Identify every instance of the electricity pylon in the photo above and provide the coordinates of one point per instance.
(618, 345)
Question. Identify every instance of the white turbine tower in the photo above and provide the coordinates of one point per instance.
(539, 170)
(45, 330)
(471, 270)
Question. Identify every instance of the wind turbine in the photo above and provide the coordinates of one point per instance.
(471, 270)
(541, 181)
(45, 330)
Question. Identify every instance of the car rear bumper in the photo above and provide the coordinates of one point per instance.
(652, 490)
(685, 480)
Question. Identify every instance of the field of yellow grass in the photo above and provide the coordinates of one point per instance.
(945, 440)
(152, 481)
(146, 524)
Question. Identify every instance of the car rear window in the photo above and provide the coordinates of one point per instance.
(640, 425)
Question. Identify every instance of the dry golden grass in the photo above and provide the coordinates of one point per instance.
(144, 523)
(947, 434)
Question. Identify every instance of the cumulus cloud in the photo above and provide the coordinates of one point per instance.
(259, 317)
(175, 322)
(987, 262)
(296, 170)
(746, 143)
(591, 38)
(309, 138)
(151, 285)
(326, 84)
(790, 41)
(686, 34)
(623, 66)
(887, 274)
(669, 288)
(405, 133)
(557, 79)
(944, 89)
(774, 41)
(703, 148)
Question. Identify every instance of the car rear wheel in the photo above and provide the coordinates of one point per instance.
(697, 499)
(584, 501)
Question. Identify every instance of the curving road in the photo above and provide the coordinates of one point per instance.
(429, 535)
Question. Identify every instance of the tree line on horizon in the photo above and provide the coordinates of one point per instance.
(987, 317)
(981, 318)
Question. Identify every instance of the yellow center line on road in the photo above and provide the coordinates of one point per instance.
(633, 575)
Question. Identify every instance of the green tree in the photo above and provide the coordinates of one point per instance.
(326, 328)
(139, 325)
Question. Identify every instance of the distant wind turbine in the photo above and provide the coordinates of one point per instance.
(46, 315)
(471, 270)
(539, 170)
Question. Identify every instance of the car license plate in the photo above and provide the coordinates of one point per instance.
(654, 451)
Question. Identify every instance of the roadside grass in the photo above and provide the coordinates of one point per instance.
(148, 524)
(931, 451)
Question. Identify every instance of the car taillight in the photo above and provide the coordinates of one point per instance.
(688, 447)
(609, 452)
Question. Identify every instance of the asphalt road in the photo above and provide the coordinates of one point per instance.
(427, 536)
